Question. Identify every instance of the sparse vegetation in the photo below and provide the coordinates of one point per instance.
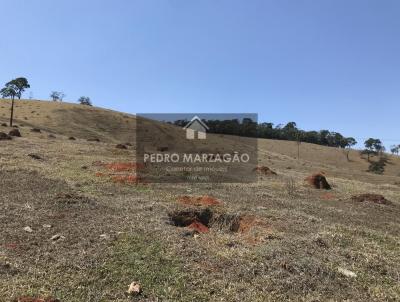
(395, 149)
(57, 96)
(373, 146)
(84, 100)
(378, 167)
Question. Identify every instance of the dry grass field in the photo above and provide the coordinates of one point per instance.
(92, 231)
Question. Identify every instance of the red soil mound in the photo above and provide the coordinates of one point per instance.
(123, 166)
(199, 201)
(264, 170)
(375, 198)
(126, 179)
(318, 181)
(120, 172)
(199, 227)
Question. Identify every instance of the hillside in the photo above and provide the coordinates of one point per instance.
(114, 127)
(76, 225)
(72, 119)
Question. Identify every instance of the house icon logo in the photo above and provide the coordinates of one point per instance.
(196, 126)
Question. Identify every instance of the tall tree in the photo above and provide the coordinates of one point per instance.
(373, 146)
(348, 142)
(19, 85)
(9, 92)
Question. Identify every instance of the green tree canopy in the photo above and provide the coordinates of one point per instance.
(19, 85)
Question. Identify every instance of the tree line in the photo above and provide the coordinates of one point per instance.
(249, 128)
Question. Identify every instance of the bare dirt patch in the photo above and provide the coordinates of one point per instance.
(199, 200)
(368, 197)
(127, 179)
(264, 170)
(318, 181)
(123, 166)
(186, 217)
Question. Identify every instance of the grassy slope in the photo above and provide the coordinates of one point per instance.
(111, 126)
(310, 233)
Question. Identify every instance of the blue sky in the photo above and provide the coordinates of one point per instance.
(324, 64)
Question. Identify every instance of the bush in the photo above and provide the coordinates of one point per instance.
(378, 167)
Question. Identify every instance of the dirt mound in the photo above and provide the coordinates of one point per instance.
(127, 179)
(264, 170)
(120, 172)
(199, 200)
(15, 132)
(235, 223)
(318, 181)
(245, 223)
(33, 299)
(195, 219)
(198, 227)
(121, 146)
(375, 198)
(4, 136)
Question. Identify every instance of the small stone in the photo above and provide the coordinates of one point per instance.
(347, 273)
(34, 156)
(104, 236)
(134, 289)
(57, 237)
(28, 229)
(47, 226)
